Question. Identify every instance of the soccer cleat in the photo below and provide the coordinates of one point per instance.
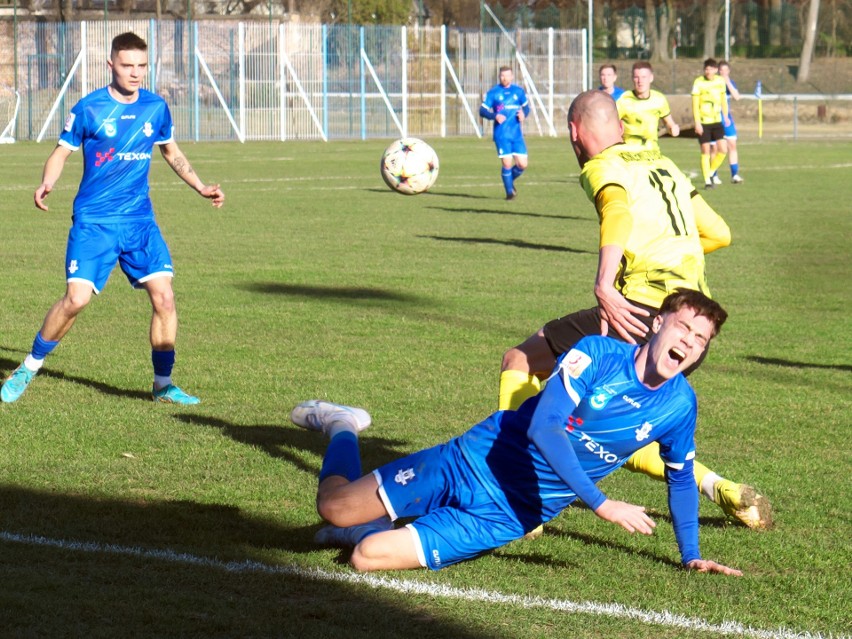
(737, 179)
(708, 186)
(743, 503)
(716, 179)
(352, 535)
(16, 384)
(171, 394)
(316, 414)
(512, 195)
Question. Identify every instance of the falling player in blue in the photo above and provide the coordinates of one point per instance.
(507, 105)
(113, 221)
(518, 469)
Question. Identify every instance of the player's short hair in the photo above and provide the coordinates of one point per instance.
(608, 66)
(724, 63)
(128, 41)
(505, 68)
(643, 64)
(698, 302)
(711, 62)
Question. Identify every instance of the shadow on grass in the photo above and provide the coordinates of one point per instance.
(279, 441)
(772, 361)
(515, 243)
(347, 293)
(500, 212)
(431, 194)
(9, 365)
(90, 567)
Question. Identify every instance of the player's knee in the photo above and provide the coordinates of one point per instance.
(360, 561)
(331, 509)
(164, 301)
(513, 360)
(76, 300)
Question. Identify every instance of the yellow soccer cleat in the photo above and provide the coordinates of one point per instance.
(743, 503)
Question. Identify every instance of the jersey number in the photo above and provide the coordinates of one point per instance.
(663, 181)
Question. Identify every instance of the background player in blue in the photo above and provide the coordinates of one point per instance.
(518, 469)
(507, 105)
(730, 128)
(113, 221)
(608, 75)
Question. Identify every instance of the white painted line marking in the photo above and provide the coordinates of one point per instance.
(615, 610)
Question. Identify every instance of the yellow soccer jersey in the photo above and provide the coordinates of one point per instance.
(641, 117)
(711, 98)
(663, 251)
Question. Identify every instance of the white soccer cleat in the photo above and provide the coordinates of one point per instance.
(717, 180)
(737, 179)
(316, 414)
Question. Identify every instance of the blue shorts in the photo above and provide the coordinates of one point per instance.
(730, 129)
(456, 517)
(139, 248)
(510, 146)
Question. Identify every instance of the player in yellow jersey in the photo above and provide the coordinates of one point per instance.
(708, 102)
(642, 109)
(655, 230)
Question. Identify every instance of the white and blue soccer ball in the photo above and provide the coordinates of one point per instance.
(409, 166)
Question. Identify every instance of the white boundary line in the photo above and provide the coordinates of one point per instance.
(615, 610)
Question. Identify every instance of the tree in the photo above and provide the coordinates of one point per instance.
(712, 17)
(659, 18)
(808, 46)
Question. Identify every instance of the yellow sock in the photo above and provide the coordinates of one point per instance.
(515, 388)
(718, 161)
(705, 167)
(648, 461)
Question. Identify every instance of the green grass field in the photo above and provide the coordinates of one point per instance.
(122, 518)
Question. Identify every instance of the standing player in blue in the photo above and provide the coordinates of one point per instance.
(518, 469)
(117, 127)
(507, 105)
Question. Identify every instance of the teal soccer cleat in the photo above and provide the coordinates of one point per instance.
(16, 384)
(171, 394)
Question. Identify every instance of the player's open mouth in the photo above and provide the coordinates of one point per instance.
(677, 355)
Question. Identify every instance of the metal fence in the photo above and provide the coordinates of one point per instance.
(228, 80)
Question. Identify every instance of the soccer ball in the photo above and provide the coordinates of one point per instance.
(409, 166)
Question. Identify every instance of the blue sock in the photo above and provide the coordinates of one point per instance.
(342, 457)
(163, 362)
(516, 172)
(41, 347)
(735, 168)
(506, 176)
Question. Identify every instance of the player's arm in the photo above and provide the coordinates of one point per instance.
(177, 161)
(683, 505)
(613, 209)
(50, 175)
(547, 431)
(713, 231)
(696, 112)
(732, 89)
(671, 125)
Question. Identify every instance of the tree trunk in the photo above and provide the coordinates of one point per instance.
(808, 46)
(712, 18)
(657, 30)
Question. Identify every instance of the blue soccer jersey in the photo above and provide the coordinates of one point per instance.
(606, 414)
(506, 101)
(117, 141)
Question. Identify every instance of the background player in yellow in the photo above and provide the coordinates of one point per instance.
(710, 112)
(655, 230)
(642, 108)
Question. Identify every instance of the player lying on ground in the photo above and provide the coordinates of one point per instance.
(654, 231)
(519, 469)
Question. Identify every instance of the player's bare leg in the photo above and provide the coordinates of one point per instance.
(519, 373)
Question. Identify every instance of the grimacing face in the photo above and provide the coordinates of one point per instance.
(678, 341)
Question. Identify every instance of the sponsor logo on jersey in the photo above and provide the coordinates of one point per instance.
(600, 397)
(133, 156)
(69, 121)
(404, 476)
(595, 448)
(574, 422)
(72, 267)
(106, 156)
(576, 362)
(644, 431)
(128, 116)
(631, 401)
(110, 129)
(148, 130)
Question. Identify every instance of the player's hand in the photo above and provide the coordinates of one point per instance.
(618, 313)
(629, 516)
(499, 118)
(214, 193)
(727, 121)
(675, 130)
(705, 565)
(698, 129)
(40, 196)
(521, 116)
